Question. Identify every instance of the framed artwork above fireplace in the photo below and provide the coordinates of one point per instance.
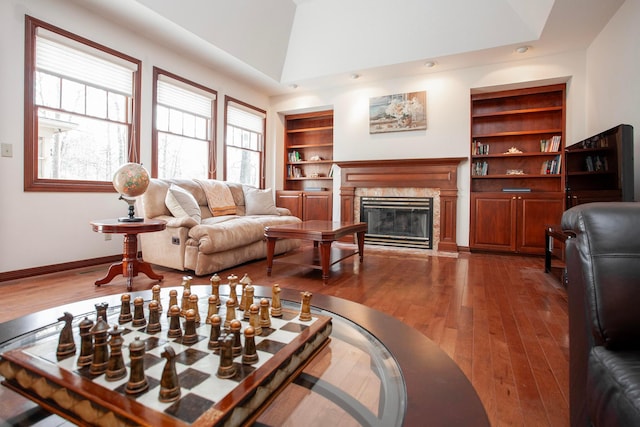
(399, 112)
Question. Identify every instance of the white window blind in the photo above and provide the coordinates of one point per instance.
(190, 100)
(240, 117)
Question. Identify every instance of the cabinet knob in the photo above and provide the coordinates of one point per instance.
(519, 197)
(513, 197)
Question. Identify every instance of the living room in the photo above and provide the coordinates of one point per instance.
(47, 230)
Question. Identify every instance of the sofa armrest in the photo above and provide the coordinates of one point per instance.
(283, 211)
(174, 222)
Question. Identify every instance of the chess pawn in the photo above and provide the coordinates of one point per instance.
(248, 300)
(169, 382)
(276, 305)
(86, 342)
(100, 351)
(101, 310)
(237, 343)
(184, 304)
(190, 336)
(115, 366)
(214, 344)
(155, 292)
(138, 313)
(175, 330)
(213, 307)
(265, 320)
(254, 319)
(226, 368)
(231, 313)
(215, 286)
(125, 309)
(154, 318)
(137, 378)
(305, 309)
(193, 305)
(173, 299)
(249, 354)
(233, 283)
(66, 344)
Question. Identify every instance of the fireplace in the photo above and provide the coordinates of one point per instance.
(398, 221)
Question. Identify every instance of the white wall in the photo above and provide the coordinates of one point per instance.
(39, 228)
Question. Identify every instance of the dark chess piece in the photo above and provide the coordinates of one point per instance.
(214, 344)
(231, 313)
(154, 318)
(125, 309)
(173, 299)
(137, 378)
(169, 382)
(249, 291)
(265, 320)
(138, 313)
(100, 349)
(213, 307)
(249, 354)
(175, 330)
(226, 368)
(190, 336)
(254, 319)
(215, 287)
(66, 344)
(276, 305)
(155, 292)
(101, 310)
(305, 309)
(233, 283)
(237, 343)
(115, 366)
(86, 342)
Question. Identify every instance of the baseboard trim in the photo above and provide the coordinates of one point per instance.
(56, 268)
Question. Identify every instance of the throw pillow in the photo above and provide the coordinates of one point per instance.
(181, 203)
(259, 202)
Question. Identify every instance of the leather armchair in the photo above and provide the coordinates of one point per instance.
(603, 286)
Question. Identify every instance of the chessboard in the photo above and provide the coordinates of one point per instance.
(75, 392)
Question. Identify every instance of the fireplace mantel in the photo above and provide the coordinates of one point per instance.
(441, 174)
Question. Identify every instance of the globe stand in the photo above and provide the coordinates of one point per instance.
(131, 217)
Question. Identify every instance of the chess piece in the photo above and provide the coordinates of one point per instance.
(244, 282)
(214, 344)
(169, 382)
(86, 343)
(115, 366)
(233, 283)
(276, 305)
(175, 330)
(265, 320)
(249, 354)
(236, 349)
(248, 300)
(213, 307)
(155, 292)
(184, 304)
(193, 305)
(154, 317)
(138, 313)
(254, 319)
(226, 368)
(137, 378)
(215, 287)
(231, 313)
(190, 336)
(125, 309)
(173, 299)
(305, 309)
(100, 351)
(186, 283)
(66, 344)
(101, 310)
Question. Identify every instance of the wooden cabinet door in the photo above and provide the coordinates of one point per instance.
(493, 222)
(317, 205)
(534, 213)
(291, 200)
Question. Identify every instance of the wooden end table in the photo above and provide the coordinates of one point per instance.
(130, 265)
(322, 233)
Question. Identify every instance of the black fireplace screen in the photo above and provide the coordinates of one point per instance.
(398, 221)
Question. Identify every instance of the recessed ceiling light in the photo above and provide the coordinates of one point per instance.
(293, 86)
(355, 76)
(522, 49)
(429, 64)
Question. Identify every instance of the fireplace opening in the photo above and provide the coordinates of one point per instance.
(398, 221)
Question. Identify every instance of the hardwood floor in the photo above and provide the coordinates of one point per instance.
(499, 317)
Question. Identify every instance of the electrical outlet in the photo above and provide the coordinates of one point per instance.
(107, 237)
(175, 240)
(6, 149)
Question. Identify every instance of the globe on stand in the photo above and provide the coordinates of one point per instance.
(131, 180)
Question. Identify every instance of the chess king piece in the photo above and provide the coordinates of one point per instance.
(215, 286)
(138, 313)
(236, 348)
(276, 305)
(125, 309)
(169, 382)
(137, 378)
(214, 344)
(233, 283)
(265, 320)
(101, 310)
(66, 344)
(86, 342)
(100, 351)
(249, 354)
(213, 307)
(175, 330)
(305, 309)
(190, 335)
(115, 366)
(154, 317)
(226, 368)
(231, 313)
(249, 291)
(254, 319)
(173, 299)
(155, 291)
(193, 305)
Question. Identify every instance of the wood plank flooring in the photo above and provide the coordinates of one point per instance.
(499, 317)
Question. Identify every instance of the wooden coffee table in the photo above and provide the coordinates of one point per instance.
(322, 233)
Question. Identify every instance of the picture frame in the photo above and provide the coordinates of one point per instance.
(398, 112)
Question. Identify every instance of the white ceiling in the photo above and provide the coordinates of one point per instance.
(273, 44)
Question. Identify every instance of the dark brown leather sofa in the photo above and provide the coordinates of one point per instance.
(603, 283)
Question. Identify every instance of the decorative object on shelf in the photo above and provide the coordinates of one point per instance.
(515, 172)
(513, 150)
(315, 158)
(399, 112)
(131, 180)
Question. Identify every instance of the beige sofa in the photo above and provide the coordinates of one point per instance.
(211, 225)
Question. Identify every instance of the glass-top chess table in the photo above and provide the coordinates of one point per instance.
(375, 370)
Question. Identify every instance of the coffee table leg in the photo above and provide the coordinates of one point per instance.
(325, 260)
(360, 237)
(271, 247)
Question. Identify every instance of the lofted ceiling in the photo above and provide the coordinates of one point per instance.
(275, 44)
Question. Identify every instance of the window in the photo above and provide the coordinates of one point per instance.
(244, 143)
(81, 111)
(183, 133)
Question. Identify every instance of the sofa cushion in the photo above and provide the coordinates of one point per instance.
(259, 202)
(231, 233)
(181, 203)
(219, 197)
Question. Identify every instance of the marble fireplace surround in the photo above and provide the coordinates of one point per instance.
(419, 177)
